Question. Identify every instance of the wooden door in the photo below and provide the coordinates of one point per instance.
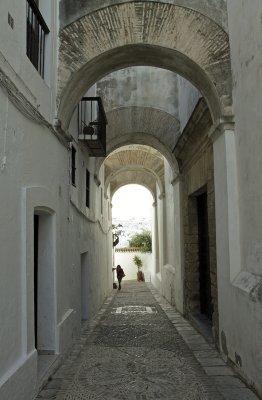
(206, 306)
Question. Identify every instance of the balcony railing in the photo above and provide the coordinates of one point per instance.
(92, 125)
(36, 36)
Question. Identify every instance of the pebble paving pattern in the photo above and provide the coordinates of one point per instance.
(134, 352)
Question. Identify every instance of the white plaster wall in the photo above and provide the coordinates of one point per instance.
(14, 61)
(245, 39)
(35, 172)
(125, 259)
(188, 96)
(172, 272)
(242, 334)
(140, 87)
(36, 159)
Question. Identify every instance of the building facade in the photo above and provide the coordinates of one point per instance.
(181, 102)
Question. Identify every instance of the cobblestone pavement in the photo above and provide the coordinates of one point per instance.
(140, 348)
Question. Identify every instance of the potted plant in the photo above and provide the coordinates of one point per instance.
(138, 262)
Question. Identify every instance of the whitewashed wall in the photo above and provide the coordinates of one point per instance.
(240, 283)
(125, 259)
(172, 271)
(35, 174)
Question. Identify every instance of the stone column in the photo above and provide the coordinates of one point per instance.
(161, 231)
(155, 242)
(227, 199)
(179, 244)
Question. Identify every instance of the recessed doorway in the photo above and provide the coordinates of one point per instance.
(205, 296)
(44, 289)
(84, 287)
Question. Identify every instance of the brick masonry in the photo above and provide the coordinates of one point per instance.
(201, 49)
(195, 154)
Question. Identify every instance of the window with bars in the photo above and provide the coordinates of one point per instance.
(73, 166)
(37, 30)
(87, 188)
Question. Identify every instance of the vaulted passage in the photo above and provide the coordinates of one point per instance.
(158, 96)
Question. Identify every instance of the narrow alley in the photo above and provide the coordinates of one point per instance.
(101, 100)
(139, 348)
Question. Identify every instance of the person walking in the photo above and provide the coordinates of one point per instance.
(120, 275)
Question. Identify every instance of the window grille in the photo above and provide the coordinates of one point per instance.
(36, 36)
(92, 125)
(73, 166)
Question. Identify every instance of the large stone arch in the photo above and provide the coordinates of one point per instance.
(146, 139)
(144, 33)
(133, 170)
(138, 177)
(70, 10)
(142, 126)
(135, 162)
(143, 120)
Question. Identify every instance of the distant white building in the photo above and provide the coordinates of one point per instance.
(131, 226)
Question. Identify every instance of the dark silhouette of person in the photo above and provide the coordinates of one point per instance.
(120, 275)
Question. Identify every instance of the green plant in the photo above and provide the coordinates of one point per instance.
(138, 262)
(142, 240)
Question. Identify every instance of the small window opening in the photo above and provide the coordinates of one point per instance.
(87, 189)
(73, 166)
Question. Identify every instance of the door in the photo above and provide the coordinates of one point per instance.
(44, 283)
(36, 244)
(84, 287)
(206, 306)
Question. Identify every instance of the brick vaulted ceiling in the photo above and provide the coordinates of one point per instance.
(127, 123)
(142, 126)
(144, 33)
(135, 164)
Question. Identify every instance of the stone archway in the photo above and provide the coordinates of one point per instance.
(135, 164)
(143, 139)
(71, 11)
(133, 178)
(186, 42)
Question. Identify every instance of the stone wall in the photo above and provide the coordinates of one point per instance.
(195, 153)
(140, 87)
(187, 43)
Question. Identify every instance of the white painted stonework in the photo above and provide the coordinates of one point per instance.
(178, 140)
(125, 259)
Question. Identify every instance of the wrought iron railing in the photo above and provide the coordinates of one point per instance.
(37, 30)
(92, 123)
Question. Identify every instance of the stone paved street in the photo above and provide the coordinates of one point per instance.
(140, 348)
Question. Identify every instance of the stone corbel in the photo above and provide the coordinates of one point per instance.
(220, 127)
(162, 196)
(58, 128)
(97, 180)
(176, 179)
(250, 284)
